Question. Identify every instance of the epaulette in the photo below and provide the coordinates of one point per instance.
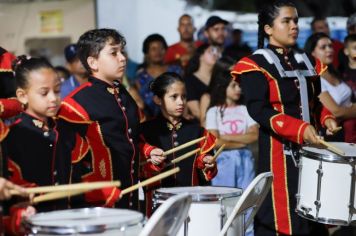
(73, 112)
(243, 66)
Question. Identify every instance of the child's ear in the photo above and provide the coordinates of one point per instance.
(22, 96)
(93, 63)
(157, 100)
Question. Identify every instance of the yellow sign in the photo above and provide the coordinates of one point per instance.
(51, 21)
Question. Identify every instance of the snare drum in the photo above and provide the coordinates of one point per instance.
(210, 208)
(326, 189)
(92, 221)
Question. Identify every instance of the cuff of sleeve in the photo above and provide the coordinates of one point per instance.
(301, 133)
(210, 173)
(199, 162)
(325, 118)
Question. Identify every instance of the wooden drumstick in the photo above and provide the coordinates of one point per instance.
(185, 156)
(170, 151)
(218, 152)
(332, 147)
(57, 195)
(150, 180)
(180, 147)
(70, 187)
(337, 129)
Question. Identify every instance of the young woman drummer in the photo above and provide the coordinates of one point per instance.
(287, 119)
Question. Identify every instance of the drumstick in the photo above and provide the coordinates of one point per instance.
(332, 147)
(184, 156)
(150, 180)
(70, 187)
(218, 152)
(170, 151)
(56, 195)
(180, 147)
(337, 129)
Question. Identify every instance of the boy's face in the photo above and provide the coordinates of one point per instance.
(350, 51)
(110, 64)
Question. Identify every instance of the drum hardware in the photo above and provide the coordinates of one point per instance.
(317, 203)
(222, 214)
(305, 209)
(352, 192)
(186, 225)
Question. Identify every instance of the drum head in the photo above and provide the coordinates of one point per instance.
(199, 193)
(85, 220)
(325, 154)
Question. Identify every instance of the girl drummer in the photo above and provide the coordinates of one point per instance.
(169, 129)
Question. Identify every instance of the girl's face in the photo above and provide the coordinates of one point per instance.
(42, 94)
(233, 92)
(284, 32)
(210, 56)
(156, 52)
(324, 51)
(110, 64)
(174, 101)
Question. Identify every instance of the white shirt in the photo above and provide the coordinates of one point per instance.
(235, 120)
(341, 93)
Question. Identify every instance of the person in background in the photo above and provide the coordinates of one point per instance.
(78, 73)
(238, 49)
(216, 33)
(320, 25)
(335, 94)
(351, 29)
(154, 49)
(198, 76)
(182, 51)
(274, 102)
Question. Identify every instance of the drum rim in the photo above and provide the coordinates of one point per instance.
(94, 228)
(197, 197)
(326, 157)
(323, 220)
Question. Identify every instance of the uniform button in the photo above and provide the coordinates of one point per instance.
(51, 145)
(130, 140)
(119, 100)
(124, 108)
(46, 134)
(175, 135)
(129, 130)
(175, 143)
(286, 58)
(56, 183)
(132, 171)
(130, 203)
(132, 162)
(55, 172)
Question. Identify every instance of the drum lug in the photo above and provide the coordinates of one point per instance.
(305, 210)
(317, 204)
(320, 172)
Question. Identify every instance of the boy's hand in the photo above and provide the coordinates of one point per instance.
(156, 156)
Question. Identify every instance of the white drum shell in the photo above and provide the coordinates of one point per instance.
(206, 210)
(86, 221)
(335, 185)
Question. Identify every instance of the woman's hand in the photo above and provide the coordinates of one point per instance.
(310, 136)
(331, 126)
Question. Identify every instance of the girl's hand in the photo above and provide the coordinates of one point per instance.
(6, 186)
(156, 156)
(310, 136)
(331, 126)
(209, 161)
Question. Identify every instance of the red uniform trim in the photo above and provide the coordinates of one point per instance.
(16, 176)
(80, 150)
(6, 61)
(73, 112)
(243, 66)
(320, 68)
(4, 130)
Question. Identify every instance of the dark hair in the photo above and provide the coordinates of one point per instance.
(153, 38)
(266, 17)
(349, 39)
(63, 70)
(313, 40)
(159, 85)
(93, 41)
(194, 62)
(315, 19)
(23, 65)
